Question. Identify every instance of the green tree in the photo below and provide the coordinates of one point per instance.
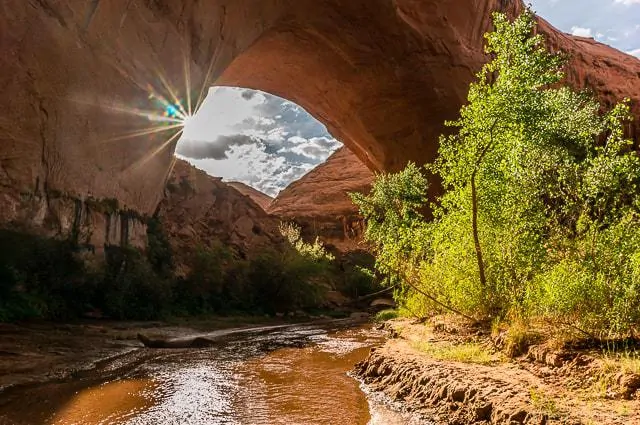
(530, 198)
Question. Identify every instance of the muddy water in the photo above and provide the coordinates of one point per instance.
(279, 375)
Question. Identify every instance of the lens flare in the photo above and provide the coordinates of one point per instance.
(167, 109)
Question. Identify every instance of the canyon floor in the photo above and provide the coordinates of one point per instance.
(458, 376)
(441, 371)
(44, 351)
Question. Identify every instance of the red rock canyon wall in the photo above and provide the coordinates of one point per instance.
(78, 80)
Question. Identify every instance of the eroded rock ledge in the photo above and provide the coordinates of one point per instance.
(454, 374)
(449, 393)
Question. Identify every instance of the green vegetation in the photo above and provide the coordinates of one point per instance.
(384, 315)
(37, 276)
(47, 278)
(313, 251)
(540, 216)
(543, 402)
(289, 279)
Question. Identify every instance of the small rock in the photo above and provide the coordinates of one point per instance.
(554, 359)
(383, 302)
(458, 395)
(630, 381)
(483, 412)
(519, 416)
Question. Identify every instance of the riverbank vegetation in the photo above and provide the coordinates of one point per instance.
(539, 219)
(55, 279)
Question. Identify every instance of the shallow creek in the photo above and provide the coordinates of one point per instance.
(293, 374)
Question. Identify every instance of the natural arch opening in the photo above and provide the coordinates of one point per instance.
(255, 138)
(293, 167)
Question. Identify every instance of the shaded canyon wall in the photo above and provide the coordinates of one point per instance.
(83, 83)
(198, 211)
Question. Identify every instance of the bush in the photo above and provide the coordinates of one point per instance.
(384, 315)
(39, 278)
(130, 289)
(159, 251)
(536, 220)
(46, 278)
(203, 291)
(286, 282)
(290, 279)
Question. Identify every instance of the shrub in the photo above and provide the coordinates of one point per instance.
(314, 251)
(159, 251)
(130, 289)
(204, 288)
(536, 219)
(39, 277)
(384, 315)
(286, 281)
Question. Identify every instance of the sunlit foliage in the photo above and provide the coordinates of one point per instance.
(540, 214)
(314, 251)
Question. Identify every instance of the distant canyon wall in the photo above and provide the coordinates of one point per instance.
(199, 211)
(319, 202)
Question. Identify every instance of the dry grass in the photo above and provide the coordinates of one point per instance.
(627, 361)
(517, 338)
(469, 352)
(542, 402)
(612, 364)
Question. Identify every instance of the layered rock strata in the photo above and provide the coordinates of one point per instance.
(450, 393)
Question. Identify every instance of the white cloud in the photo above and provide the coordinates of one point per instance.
(251, 165)
(635, 52)
(581, 32)
(613, 22)
(256, 138)
(223, 108)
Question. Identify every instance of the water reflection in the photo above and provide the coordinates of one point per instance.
(113, 401)
(308, 385)
(292, 375)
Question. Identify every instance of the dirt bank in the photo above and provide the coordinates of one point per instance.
(458, 378)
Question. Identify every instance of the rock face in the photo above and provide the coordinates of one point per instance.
(92, 223)
(83, 81)
(320, 204)
(255, 195)
(450, 393)
(199, 210)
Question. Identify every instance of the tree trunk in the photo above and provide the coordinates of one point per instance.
(474, 226)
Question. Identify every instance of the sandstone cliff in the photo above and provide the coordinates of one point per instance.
(255, 195)
(198, 210)
(91, 223)
(320, 204)
(83, 83)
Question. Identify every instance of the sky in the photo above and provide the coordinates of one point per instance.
(613, 22)
(268, 142)
(254, 137)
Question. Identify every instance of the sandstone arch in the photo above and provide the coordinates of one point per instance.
(381, 74)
